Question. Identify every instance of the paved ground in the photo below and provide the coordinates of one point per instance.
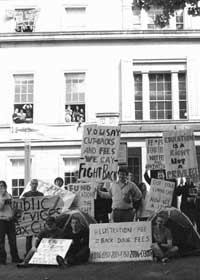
(179, 269)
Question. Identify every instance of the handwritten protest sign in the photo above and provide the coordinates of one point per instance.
(48, 249)
(180, 154)
(155, 154)
(33, 211)
(160, 194)
(116, 242)
(49, 189)
(99, 153)
(84, 199)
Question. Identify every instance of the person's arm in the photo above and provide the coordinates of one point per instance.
(2, 203)
(146, 177)
(168, 243)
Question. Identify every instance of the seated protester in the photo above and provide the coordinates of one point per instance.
(160, 175)
(102, 206)
(162, 243)
(79, 251)
(50, 231)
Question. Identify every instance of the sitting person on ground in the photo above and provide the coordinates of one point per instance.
(162, 243)
(50, 231)
(79, 251)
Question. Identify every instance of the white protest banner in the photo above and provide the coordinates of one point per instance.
(49, 189)
(48, 249)
(99, 153)
(160, 194)
(155, 154)
(117, 242)
(33, 211)
(85, 194)
(180, 154)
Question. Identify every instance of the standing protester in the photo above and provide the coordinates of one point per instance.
(160, 175)
(125, 196)
(102, 206)
(7, 225)
(31, 193)
(188, 192)
(162, 244)
(142, 214)
(50, 231)
(59, 182)
(79, 251)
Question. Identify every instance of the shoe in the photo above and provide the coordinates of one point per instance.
(60, 261)
(22, 265)
(17, 260)
(165, 260)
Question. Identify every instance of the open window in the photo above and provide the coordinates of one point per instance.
(23, 98)
(25, 20)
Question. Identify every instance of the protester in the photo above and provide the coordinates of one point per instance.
(102, 206)
(125, 197)
(31, 193)
(188, 192)
(79, 251)
(162, 244)
(7, 225)
(59, 182)
(142, 214)
(50, 231)
(160, 175)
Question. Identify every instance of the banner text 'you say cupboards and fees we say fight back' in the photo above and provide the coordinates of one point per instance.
(99, 153)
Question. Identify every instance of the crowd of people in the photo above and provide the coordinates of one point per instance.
(23, 114)
(119, 201)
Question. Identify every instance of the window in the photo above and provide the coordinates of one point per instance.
(17, 177)
(25, 20)
(152, 15)
(138, 96)
(71, 170)
(182, 96)
(23, 99)
(75, 17)
(160, 96)
(75, 97)
(179, 20)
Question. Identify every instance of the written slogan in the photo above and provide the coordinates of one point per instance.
(100, 146)
(120, 242)
(180, 154)
(155, 154)
(33, 211)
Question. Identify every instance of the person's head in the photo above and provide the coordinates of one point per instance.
(75, 224)
(16, 110)
(130, 176)
(122, 174)
(143, 188)
(161, 175)
(3, 187)
(50, 223)
(21, 111)
(100, 186)
(160, 221)
(34, 185)
(59, 182)
(188, 180)
(76, 175)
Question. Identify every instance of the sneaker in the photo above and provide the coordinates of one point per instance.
(60, 261)
(17, 260)
(165, 260)
(22, 265)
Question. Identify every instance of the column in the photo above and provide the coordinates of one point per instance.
(146, 103)
(175, 96)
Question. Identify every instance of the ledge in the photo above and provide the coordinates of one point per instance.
(132, 35)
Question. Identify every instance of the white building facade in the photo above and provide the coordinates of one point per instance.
(65, 62)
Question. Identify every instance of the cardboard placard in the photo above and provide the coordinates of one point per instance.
(84, 199)
(120, 242)
(33, 211)
(48, 249)
(99, 153)
(180, 154)
(155, 154)
(160, 195)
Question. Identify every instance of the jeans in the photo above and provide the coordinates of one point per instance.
(8, 227)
